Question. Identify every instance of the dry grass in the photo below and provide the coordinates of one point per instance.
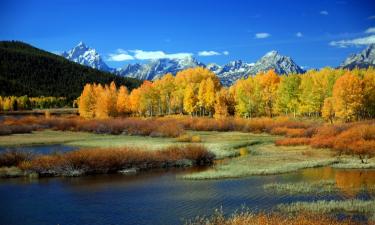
(246, 217)
(189, 138)
(14, 158)
(92, 161)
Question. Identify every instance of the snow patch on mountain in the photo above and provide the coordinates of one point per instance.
(87, 56)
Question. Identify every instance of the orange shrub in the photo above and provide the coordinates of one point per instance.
(293, 141)
(109, 160)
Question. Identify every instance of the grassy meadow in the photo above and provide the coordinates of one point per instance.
(246, 147)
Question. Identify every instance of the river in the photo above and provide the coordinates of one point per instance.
(156, 197)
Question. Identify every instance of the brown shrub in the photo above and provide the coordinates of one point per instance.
(114, 159)
(14, 158)
(293, 141)
(322, 142)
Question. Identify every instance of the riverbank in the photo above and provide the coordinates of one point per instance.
(102, 161)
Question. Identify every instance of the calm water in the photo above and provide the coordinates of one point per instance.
(41, 149)
(154, 197)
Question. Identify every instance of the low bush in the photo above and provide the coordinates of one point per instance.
(293, 141)
(14, 158)
(92, 161)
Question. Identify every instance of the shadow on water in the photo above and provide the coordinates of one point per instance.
(156, 197)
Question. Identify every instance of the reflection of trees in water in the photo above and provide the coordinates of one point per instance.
(318, 174)
(351, 182)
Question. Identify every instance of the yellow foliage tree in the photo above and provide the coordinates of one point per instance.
(123, 102)
(190, 100)
(221, 104)
(202, 97)
(348, 96)
(328, 111)
(369, 93)
(269, 84)
(86, 102)
(210, 95)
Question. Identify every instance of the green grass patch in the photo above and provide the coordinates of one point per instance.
(320, 187)
(267, 159)
(222, 144)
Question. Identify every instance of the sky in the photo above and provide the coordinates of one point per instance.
(313, 33)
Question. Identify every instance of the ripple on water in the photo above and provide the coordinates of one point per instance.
(157, 197)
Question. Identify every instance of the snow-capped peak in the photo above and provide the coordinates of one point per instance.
(363, 59)
(85, 55)
(272, 53)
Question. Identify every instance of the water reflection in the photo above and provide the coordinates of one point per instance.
(351, 183)
(156, 197)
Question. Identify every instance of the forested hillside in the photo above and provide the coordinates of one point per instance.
(26, 70)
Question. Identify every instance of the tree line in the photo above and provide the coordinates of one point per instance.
(26, 70)
(330, 93)
(13, 103)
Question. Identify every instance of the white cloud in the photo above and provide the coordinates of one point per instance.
(370, 30)
(299, 34)
(356, 42)
(144, 55)
(208, 53)
(371, 17)
(262, 35)
(324, 12)
(120, 55)
(225, 53)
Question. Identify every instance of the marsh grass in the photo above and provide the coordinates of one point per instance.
(366, 207)
(267, 160)
(247, 217)
(320, 187)
(354, 163)
(13, 171)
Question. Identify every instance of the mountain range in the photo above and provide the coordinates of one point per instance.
(227, 73)
(363, 59)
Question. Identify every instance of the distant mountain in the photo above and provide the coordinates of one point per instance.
(273, 60)
(156, 68)
(235, 70)
(87, 56)
(153, 69)
(363, 59)
(26, 70)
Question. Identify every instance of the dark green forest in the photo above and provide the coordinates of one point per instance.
(26, 70)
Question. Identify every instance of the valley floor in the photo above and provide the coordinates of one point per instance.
(238, 154)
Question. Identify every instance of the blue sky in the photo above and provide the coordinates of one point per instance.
(313, 33)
